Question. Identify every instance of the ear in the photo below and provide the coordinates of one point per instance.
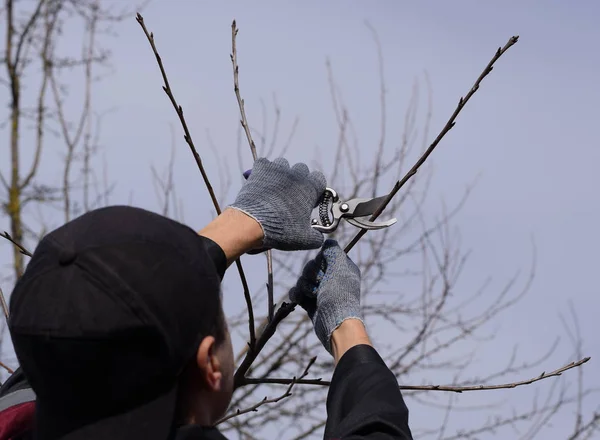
(209, 364)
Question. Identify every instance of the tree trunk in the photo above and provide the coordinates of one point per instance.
(14, 193)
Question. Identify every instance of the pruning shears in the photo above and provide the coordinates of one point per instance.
(355, 211)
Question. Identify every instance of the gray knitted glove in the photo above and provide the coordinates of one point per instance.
(329, 291)
(281, 199)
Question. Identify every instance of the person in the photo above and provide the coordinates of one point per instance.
(119, 330)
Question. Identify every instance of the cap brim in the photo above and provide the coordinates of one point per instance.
(150, 421)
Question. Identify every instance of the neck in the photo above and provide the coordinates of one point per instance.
(196, 410)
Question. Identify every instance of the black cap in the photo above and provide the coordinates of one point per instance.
(108, 313)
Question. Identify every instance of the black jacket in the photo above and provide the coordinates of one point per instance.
(364, 402)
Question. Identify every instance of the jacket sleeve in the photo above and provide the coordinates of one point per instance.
(215, 254)
(364, 401)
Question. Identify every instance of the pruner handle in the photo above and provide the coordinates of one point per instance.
(329, 218)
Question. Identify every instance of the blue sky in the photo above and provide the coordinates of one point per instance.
(529, 133)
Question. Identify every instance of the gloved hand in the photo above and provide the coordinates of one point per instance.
(329, 291)
(281, 200)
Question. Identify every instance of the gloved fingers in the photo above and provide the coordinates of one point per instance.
(353, 267)
(315, 239)
(307, 303)
(311, 277)
(296, 295)
(301, 169)
(319, 182)
(321, 264)
(281, 162)
(259, 164)
(335, 256)
(331, 251)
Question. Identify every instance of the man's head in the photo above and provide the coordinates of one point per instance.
(206, 386)
(118, 326)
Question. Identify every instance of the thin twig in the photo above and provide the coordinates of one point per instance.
(24, 37)
(451, 122)
(236, 87)
(179, 111)
(455, 389)
(288, 393)
(587, 427)
(17, 244)
(41, 99)
(4, 304)
(246, 127)
(6, 367)
(190, 142)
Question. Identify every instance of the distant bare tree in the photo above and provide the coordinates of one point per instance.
(36, 62)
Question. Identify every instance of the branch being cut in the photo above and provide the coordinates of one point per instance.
(190, 142)
(451, 122)
(286, 309)
(244, 122)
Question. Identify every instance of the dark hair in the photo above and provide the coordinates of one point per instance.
(217, 329)
(219, 326)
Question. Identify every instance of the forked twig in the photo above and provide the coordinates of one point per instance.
(269, 330)
(246, 127)
(21, 248)
(190, 142)
(455, 389)
(451, 122)
(288, 393)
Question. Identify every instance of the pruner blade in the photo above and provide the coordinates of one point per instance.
(365, 223)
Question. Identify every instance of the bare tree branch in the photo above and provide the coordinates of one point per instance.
(382, 104)
(190, 142)
(19, 246)
(50, 22)
(6, 367)
(587, 429)
(244, 122)
(451, 122)
(25, 33)
(450, 388)
(288, 393)
(269, 330)
(73, 139)
(236, 87)
(3, 303)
